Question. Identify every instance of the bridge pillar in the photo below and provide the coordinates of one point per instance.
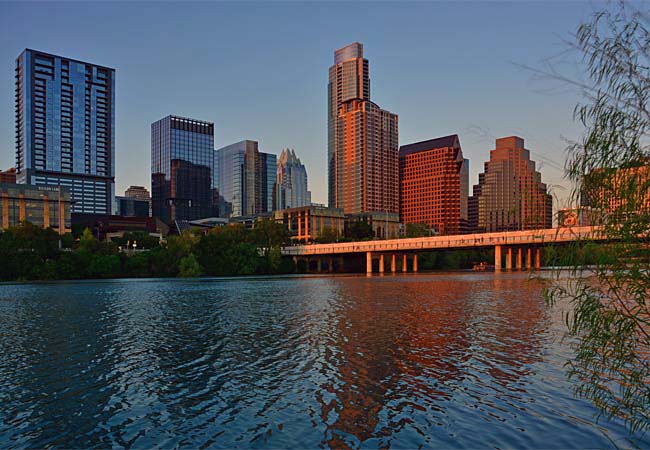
(519, 255)
(368, 262)
(538, 258)
(393, 263)
(415, 263)
(404, 263)
(497, 258)
(509, 259)
(330, 265)
(319, 265)
(529, 259)
(381, 263)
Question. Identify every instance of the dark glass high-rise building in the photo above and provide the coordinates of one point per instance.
(65, 128)
(183, 176)
(246, 179)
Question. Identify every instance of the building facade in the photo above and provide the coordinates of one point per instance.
(247, 179)
(307, 223)
(618, 192)
(139, 193)
(362, 140)
(384, 225)
(132, 207)
(65, 128)
(291, 188)
(510, 195)
(8, 176)
(43, 206)
(183, 175)
(434, 185)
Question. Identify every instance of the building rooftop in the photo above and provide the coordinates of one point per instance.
(441, 142)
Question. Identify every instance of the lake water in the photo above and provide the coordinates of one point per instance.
(458, 360)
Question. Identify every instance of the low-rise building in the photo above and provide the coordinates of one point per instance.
(43, 206)
(308, 223)
(132, 207)
(385, 225)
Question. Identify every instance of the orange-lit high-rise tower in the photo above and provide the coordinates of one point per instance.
(434, 184)
(362, 140)
(510, 194)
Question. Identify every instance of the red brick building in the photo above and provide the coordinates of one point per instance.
(434, 184)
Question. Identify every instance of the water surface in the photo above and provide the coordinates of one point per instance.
(456, 360)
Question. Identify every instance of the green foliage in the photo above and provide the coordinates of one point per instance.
(328, 235)
(190, 267)
(358, 230)
(142, 239)
(610, 311)
(417, 230)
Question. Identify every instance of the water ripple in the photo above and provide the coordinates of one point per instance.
(444, 360)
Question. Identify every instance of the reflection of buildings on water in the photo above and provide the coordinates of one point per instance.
(408, 343)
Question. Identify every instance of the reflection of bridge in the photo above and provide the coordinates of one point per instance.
(512, 241)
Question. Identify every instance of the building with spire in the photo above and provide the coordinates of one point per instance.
(291, 181)
(510, 195)
(362, 140)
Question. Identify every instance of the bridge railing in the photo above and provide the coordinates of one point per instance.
(531, 237)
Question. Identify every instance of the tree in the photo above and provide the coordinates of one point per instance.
(189, 267)
(358, 230)
(327, 235)
(417, 230)
(610, 314)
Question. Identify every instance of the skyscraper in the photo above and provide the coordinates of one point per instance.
(510, 194)
(246, 179)
(434, 184)
(362, 140)
(183, 180)
(65, 128)
(291, 182)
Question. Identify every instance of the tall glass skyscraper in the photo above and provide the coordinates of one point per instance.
(246, 179)
(183, 175)
(291, 182)
(65, 128)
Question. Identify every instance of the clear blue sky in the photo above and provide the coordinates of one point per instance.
(259, 71)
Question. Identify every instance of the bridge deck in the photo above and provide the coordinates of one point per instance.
(463, 241)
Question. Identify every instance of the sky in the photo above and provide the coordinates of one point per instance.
(260, 70)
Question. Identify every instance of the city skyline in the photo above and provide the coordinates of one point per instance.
(489, 82)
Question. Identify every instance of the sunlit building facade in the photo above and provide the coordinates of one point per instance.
(65, 128)
(362, 140)
(434, 185)
(510, 195)
(183, 162)
(308, 223)
(247, 179)
(43, 206)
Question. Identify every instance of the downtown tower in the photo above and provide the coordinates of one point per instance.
(363, 162)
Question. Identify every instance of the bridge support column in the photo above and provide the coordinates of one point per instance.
(415, 263)
(529, 259)
(404, 263)
(509, 259)
(381, 263)
(519, 254)
(497, 258)
(319, 265)
(393, 263)
(538, 258)
(330, 265)
(368, 262)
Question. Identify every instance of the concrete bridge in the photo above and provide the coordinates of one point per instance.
(525, 246)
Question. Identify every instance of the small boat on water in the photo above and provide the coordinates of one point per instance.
(483, 267)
